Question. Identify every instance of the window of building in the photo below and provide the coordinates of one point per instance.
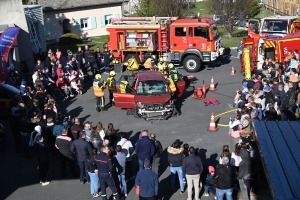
(108, 19)
(85, 23)
(180, 32)
(32, 30)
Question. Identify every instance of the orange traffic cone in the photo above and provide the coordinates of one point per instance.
(232, 71)
(212, 84)
(212, 124)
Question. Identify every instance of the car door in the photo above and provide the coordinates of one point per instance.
(124, 100)
(180, 85)
(179, 38)
(130, 82)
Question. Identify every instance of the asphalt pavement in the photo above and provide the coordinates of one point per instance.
(19, 177)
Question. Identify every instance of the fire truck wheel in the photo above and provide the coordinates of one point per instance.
(192, 63)
(135, 113)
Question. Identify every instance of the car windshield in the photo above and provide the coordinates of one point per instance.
(11, 88)
(275, 26)
(152, 87)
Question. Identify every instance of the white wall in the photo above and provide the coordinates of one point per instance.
(12, 13)
(56, 29)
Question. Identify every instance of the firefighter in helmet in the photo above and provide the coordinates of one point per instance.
(110, 82)
(173, 73)
(161, 65)
(123, 85)
(99, 87)
(172, 90)
(150, 63)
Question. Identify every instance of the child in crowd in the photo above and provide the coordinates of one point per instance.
(209, 189)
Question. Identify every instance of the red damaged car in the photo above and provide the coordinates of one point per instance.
(147, 95)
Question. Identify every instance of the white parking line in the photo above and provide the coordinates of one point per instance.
(234, 56)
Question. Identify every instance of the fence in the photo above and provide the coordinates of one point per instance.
(282, 7)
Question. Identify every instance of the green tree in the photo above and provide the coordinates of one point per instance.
(145, 8)
(256, 9)
(25, 2)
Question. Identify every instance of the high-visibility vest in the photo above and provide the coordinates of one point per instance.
(161, 67)
(109, 82)
(174, 77)
(172, 86)
(98, 91)
(123, 86)
(148, 63)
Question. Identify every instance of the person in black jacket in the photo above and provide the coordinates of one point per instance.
(192, 167)
(83, 149)
(244, 173)
(63, 143)
(105, 169)
(76, 128)
(41, 151)
(225, 176)
(156, 157)
(175, 159)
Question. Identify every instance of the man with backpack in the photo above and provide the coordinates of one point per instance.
(156, 157)
(127, 148)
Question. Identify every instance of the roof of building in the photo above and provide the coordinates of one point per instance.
(61, 5)
(31, 6)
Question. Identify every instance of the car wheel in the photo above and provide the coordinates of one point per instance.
(192, 63)
(135, 113)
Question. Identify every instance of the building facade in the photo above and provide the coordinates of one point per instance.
(85, 18)
(15, 17)
(289, 7)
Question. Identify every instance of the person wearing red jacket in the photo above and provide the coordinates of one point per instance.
(61, 84)
(59, 71)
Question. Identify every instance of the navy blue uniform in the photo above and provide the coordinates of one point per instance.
(92, 61)
(83, 149)
(87, 54)
(98, 58)
(79, 59)
(105, 169)
(106, 55)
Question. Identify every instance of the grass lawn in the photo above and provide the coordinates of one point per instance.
(202, 8)
(264, 13)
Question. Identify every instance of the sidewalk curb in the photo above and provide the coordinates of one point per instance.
(232, 47)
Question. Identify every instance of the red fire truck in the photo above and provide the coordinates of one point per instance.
(275, 48)
(277, 27)
(184, 42)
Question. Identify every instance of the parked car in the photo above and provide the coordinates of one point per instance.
(243, 23)
(7, 94)
(147, 95)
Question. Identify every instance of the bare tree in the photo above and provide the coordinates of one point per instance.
(172, 8)
(231, 11)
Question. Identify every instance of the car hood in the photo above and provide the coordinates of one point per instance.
(153, 98)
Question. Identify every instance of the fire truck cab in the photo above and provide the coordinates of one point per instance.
(184, 42)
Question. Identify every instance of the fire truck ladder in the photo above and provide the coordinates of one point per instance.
(143, 20)
(32, 31)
